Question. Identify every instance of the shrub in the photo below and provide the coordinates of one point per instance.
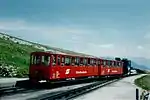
(8, 70)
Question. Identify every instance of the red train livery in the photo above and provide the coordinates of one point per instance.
(48, 66)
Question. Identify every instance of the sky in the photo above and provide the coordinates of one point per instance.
(96, 27)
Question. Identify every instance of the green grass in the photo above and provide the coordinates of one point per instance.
(143, 82)
(49, 47)
(16, 54)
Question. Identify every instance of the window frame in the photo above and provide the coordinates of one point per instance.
(85, 61)
(77, 61)
(69, 60)
(33, 59)
(99, 62)
(58, 60)
(72, 61)
(53, 64)
(62, 60)
(112, 63)
(48, 62)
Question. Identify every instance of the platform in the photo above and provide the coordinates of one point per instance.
(4, 82)
(124, 89)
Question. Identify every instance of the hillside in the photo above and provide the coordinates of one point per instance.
(41, 46)
(14, 54)
(143, 62)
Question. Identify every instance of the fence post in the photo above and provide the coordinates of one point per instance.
(137, 94)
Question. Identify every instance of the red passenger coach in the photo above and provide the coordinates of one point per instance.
(111, 67)
(48, 66)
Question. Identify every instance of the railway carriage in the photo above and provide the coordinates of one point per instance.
(54, 67)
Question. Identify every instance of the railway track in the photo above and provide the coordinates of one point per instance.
(69, 94)
(14, 90)
(63, 94)
(24, 94)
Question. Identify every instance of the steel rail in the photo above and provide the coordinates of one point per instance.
(68, 94)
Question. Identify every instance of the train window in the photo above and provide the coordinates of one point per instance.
(54, 60)
(58, 60)
(115, 64)
(37, 60)
(67, 60)
(96, 62)
(104, 63)
(45, 60)
(112, 63)
(99, 63)
(62, 60)
(118, 64)
(77, 60)
(108, 63)
(81, 61)
(88, 61)
(85, 61)
(92, 62)
(73, 61)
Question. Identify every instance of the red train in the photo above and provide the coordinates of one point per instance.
(53, 67)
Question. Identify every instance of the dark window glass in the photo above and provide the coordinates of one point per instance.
(104, 63)
(67, 60)
(85, 61)
(58, 60)
(45, 60)
(37, 60)
(77, 60)
(54, 60)
(62, 60)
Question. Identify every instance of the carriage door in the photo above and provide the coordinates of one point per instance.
(99, 67)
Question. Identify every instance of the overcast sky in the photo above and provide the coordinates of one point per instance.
(97, 27)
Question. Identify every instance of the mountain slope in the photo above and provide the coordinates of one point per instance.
(41, 46)
(15, 52)
(144, 62)
(143, 67)
(137, 63)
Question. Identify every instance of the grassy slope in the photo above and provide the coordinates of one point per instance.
(17, 54)
(49, 47)
(143, 82)
(13, 53)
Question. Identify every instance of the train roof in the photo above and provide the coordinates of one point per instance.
(75, 55)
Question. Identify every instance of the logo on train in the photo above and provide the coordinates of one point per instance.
(103, 72)
(108, 70)
(67, 71)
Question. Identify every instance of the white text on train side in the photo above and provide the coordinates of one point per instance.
(114, 71)
(81, 72)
